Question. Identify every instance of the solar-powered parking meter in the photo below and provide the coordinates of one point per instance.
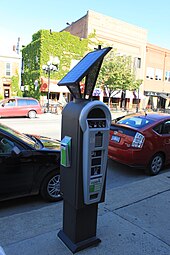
(84, 150)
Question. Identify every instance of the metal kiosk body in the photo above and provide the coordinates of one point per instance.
(84, 149)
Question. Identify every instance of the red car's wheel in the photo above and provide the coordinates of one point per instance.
(32, 114)
(155, 164)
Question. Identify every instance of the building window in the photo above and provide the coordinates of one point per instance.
(150, 73)
(8, 69)
(167, 76)
(158, 74)
(137, 62)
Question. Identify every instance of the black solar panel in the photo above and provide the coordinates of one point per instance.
(89, 66)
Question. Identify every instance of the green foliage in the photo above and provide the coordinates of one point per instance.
(117, 74)
(15, 89)
(46, 44)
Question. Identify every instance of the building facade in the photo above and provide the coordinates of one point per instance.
(151, 63)
(10, 65)
(156, 85)
(148, 60)
(127, 39)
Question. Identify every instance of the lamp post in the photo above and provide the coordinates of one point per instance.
(52, 66)
(137, 107)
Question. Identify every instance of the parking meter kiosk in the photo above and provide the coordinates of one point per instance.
(84, 150)
(94, 121)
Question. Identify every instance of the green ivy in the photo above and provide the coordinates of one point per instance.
(45, 44)
(15, 90)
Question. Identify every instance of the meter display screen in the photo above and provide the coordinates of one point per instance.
(98, 139)
(97, 123)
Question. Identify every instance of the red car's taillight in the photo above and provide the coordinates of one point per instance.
(138, 140)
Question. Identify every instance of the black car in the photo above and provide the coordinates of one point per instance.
(29, 165)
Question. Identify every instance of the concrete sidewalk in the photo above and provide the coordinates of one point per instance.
(134, 220)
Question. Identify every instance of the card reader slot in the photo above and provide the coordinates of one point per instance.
(96, 161)
(96, 176)
(95, 170)
(96, 153)
(93, 196)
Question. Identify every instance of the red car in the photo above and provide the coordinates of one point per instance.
(141, 140)
(20, 107)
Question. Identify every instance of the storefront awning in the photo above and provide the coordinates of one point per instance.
(163, 96)
(53, 86)
(114, 94)
(56, 88)
(136, 95)
(129, 94)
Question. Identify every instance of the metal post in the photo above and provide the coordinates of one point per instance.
(48, 94)
(137, 107)
(48, 68)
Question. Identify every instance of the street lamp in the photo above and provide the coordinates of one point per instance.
(52, 66)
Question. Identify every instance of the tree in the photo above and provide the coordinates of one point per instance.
(15, 89)
(117, 75)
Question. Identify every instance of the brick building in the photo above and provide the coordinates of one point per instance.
(132, 41)
(156, 85)
(10, 65)
(151, 62)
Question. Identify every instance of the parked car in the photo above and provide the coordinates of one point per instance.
(141, 140)
(29, 165)
(20, 106)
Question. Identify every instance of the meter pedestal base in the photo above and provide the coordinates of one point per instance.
(75, 247)
(79, 226)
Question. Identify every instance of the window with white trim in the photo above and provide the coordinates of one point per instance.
(167, 76)
(137, 62)
(150, 73)
(158, 74)
(8, 69)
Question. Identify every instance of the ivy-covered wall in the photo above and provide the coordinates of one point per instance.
(45, 44)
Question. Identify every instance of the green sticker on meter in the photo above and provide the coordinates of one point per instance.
(63, 156)
(66, 151)
(95, 185)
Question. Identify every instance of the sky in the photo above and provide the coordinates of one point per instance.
(24, 18)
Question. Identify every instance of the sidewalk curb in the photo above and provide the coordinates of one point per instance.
(120, 224)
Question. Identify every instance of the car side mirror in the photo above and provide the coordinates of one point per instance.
(16, 151)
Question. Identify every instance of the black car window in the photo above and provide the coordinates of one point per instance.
(22, 102)
(26, 139)
(10, 102)
(6, 145)
(32, 102)
(162, 128)
(7, 103)
(166, 127)
(158, 128)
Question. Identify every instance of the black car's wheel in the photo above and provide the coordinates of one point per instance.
(50, 188)
(32, 114)
(155, 164)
